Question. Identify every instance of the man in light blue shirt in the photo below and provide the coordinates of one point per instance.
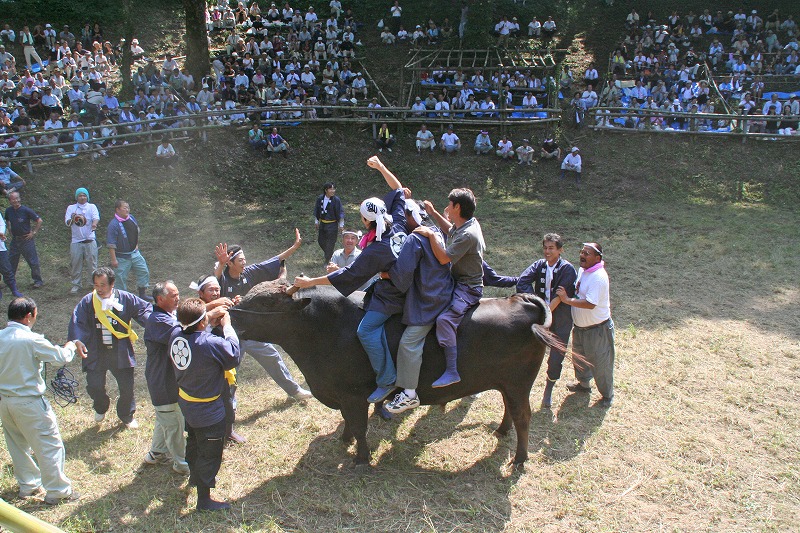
(29, 424)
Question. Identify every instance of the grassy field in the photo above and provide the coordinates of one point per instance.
(702, 251)
(703, 435)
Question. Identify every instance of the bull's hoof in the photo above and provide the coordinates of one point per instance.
(517, 466)
(500, 433)
(347, 439)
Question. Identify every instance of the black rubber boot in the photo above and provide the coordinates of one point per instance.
(547, 400)
(144, 296)
(205, 503)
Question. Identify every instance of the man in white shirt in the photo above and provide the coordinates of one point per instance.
(534, 28)
(82, 218)
(418, 108)
(425, 139)
(572, 163)
(505, 149)
(29, 424)
(525, 152)
(450, 143)
(593, 330)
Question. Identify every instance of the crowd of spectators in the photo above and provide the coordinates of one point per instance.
(661, 65)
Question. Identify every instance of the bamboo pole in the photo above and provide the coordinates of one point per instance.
(19, 521)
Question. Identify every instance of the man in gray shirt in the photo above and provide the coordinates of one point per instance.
(464, 250)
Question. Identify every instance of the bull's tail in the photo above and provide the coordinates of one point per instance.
(543, 333)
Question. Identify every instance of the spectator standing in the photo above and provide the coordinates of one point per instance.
(82, 218)
(28, 48)
(29, 424)
(102, 328)
(593, 332)
(328, 216)
(123, 247)
(572, 163)
(396, 17)
(24, 224)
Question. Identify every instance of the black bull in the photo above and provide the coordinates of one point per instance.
(501, 344)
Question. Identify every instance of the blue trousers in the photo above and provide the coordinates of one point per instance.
(26, 249)
(464, 299)
(7, 273)
(136, 263)
(373, 339)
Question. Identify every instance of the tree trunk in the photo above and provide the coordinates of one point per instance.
(197, 55)
(127, 91)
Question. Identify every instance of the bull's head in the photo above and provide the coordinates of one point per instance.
(268, 307)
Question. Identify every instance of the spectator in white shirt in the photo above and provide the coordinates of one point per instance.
(505, 150)
(572, 163)
(165, 153)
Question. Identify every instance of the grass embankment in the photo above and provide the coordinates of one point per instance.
(703, 435)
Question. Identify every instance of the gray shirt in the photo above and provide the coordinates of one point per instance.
(465, 249)
(22, 356)
(341, 260)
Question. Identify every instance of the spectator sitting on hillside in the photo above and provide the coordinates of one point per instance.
(165, 153)
(505, 149)
(450, 143)
(276, 143)
(387, 37)
(534, 28)
(572, 163)
(10, 181)
(256, 137)
(549, 28)
(425, 139)
(525, 152)
(384, 139)
(550, 148)
(483, 144)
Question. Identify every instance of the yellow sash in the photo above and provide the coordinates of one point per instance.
(102, 316)
(230, 376)
(188, 398)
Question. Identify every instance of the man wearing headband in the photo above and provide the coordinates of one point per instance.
(200, 360)
(208, 290)
(168, 445)
(328, 218)
(542, 278)
(236, 278)
(464, 252)
(428, 286)
(386, 228)
(82, 218)
(344, 257)
(593, 332)
(102, 328)
(483, 144)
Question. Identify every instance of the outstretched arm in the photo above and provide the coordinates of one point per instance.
(304, 282)
(221, 251)
(286, 254)
(391, 179)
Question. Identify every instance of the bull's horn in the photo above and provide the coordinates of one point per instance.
(293, 289)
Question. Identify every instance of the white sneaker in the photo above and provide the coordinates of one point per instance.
(133, 424)
(402, 403)
(99, 417)
(302, 395)
(180, 468)
(74, 289)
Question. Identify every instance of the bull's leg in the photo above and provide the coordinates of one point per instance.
(347, 433)
(355, 413)
(520, 407)
(505, 424)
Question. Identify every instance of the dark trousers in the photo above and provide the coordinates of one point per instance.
(328, 235)
(204, 453)
(556, 358)
(26, 249)
(96, 386)
(7, 273)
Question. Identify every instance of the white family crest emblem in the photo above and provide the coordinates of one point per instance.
(396, 243)
(181, 353)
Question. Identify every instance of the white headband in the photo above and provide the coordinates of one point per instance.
(374, 210)
(416, 213)
(195, 287)
(201, 317)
